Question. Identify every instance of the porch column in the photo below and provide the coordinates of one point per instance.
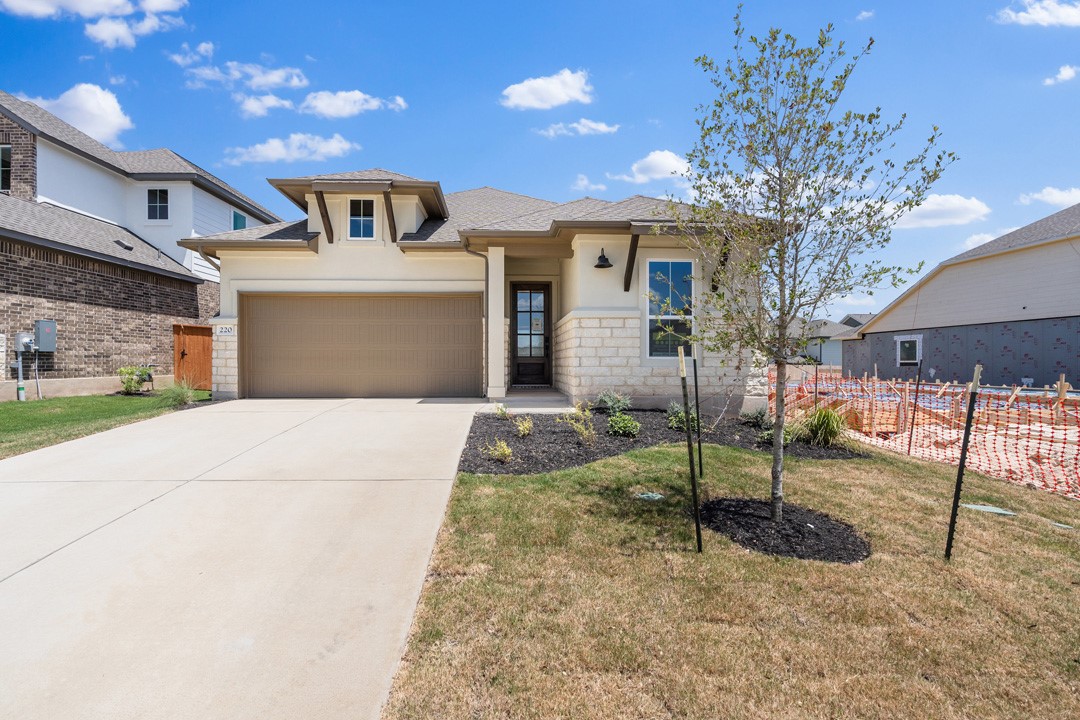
(496, 309)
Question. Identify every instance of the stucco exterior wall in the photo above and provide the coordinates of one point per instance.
(1008, 351)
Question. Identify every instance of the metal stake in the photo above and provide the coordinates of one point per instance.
(697, 410)
(915, 408)
(690, 446)
(963, 460)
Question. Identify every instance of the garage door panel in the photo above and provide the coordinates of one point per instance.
(361, 345)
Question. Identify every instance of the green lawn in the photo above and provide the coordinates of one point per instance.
(31, 425)
(562, 595)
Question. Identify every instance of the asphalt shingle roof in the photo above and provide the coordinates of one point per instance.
(160, 161)
(286, 231)
(372, 175)
(25, 219)
(470, 209)
(1061, 224)
(542, 219)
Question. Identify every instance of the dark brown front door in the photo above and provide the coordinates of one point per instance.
(530, 334)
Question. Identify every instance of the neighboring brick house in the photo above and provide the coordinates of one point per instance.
(391, 288)
(88, 237)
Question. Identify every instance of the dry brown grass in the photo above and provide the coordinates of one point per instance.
(564, 596)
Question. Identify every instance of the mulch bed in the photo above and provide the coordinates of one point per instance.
(803, 534)
(555, 446)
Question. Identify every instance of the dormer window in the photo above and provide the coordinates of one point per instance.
(5, 167)
(157, 204)
(361, 219)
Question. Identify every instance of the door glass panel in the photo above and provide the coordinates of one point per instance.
(538, 346)
(523, 300)
(538, 323)
(523, 323)
(538, 301)
(523, 346)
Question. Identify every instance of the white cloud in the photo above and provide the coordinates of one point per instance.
(1046, 13)
(117, 32)
(255, 76)
(92, 109)
(162, 6)
(864, 15)
(347, 103)
(657, 165)
(1053, 196)
(259, 105)
(118, 79)
(187, 56)
(974, 241)
(942, 210)
(581, 127)
(295, 148)
(582, 183)
(1064, 74)
(857, 301)
(543, 93)
(55, 8)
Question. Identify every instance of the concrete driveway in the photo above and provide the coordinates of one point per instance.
(254, 559)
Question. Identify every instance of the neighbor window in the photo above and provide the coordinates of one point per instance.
(362, 219)
(5, 167)
(157, 204)
(239, 222)
(670, 288)
(908, 350)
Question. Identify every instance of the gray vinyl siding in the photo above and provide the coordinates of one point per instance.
(1008, 351)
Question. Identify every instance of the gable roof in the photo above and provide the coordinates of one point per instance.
(68, 231)
(157, 164)
(1062, 224)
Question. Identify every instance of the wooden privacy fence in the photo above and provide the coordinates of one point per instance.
(1023, 435)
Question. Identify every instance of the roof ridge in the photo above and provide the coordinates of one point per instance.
(508, 192)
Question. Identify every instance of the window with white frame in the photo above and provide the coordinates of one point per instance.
(239, 221)
(671, 285)
(5, 167)
(908, 350)
(157, 204)
(361, 219)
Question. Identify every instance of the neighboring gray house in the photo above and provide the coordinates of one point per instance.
(823, 344)
(854, 320)
(1012, 305)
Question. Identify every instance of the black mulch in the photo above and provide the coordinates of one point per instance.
(803, 534)
(555, 446)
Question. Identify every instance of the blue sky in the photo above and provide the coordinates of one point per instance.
(556, 99)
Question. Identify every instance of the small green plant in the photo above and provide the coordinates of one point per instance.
(581, 422)
(676, 417)
(132, 379)
(824, 427)
(623, 426)
(497, 450)
(758, 418)
(613, 403)
(523, 426)
(178, 394)
(501, 412)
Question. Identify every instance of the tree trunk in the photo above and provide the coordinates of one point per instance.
(778, 444)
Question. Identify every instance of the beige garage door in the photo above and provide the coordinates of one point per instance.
(361, 345)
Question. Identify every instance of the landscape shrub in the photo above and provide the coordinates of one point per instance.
(581, 422)
(824, 427)
(676, 417)
(523, 426)
(132, 379)
(623, 426)
(759, 418)
(613, 403)
(178, 394)
(501, 412)
(497, 450)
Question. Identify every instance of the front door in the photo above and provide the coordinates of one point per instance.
(530, 334)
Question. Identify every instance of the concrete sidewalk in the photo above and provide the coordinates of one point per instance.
(251, 559)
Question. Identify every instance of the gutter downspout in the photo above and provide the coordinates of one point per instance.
(209, 260)
(487, 273)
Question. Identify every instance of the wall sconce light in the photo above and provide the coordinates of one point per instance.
(602, 261)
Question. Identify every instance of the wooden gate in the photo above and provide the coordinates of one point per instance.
(192, 355)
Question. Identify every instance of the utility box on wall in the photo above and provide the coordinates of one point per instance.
(45, 335)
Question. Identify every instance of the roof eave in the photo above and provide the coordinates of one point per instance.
(212, 247)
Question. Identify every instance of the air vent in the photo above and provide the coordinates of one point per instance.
(126, 246)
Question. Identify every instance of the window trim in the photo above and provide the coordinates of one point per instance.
(374, 220)
(649, 317)
(918, 339)
(10, 168)
(158, 204)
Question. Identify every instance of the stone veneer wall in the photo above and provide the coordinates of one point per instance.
(604, 352)
(23, 159)
(107, 315)
(226, 369)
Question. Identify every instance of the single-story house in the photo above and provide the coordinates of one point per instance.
(88, 238)
(822, 344)
(854, 320)
(1012, 304)
(389, 287)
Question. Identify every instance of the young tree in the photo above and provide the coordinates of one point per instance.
(792, 192)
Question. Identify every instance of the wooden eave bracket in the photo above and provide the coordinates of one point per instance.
(328, 228)
(631, 260)
(391, 222)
